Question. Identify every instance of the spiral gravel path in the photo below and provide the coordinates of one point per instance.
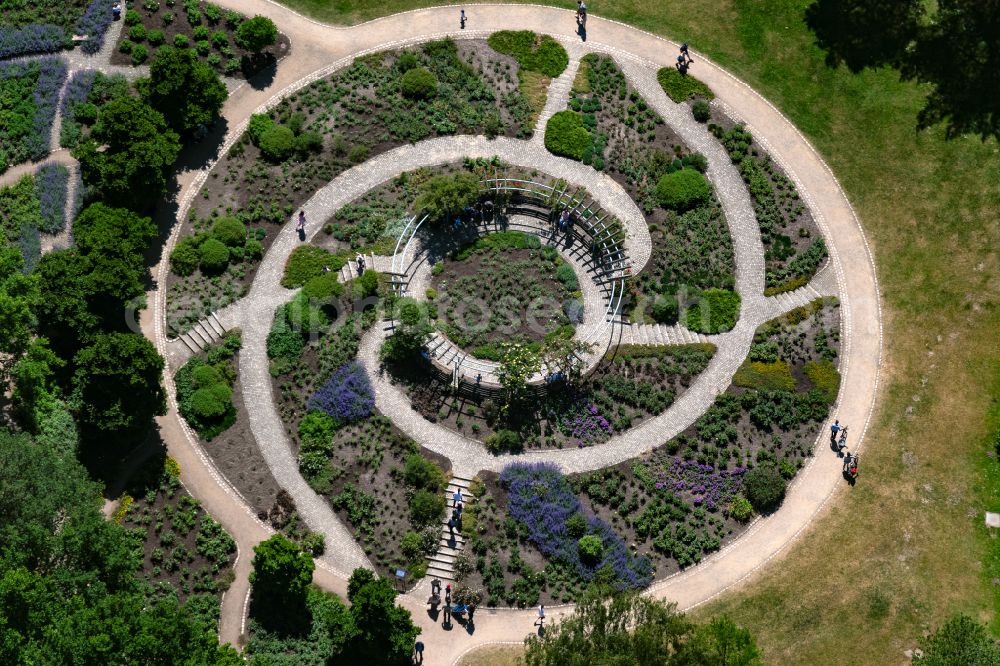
(316, 50)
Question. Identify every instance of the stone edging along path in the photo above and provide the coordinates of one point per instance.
(857, 286)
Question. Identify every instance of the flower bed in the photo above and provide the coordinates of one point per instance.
(43, 26)
(692, 250)
(184, 551)
(51, 186)
(330, 125)
(632, 384)
(503, 287)
(794, 248)
(94, 25)
(202, 26)
(21, 219)
(30, 90)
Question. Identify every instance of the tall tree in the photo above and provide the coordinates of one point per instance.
(280, 578)
(118, 386)
(955, 48)
(19, 295)
(384, 632)
(864, 33)
(64, 315)
(185, 90)
(129, 154)
(256, 34)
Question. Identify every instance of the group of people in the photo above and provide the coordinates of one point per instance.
(468, 611)
(839, 444)
(455, 522)
(683, 59)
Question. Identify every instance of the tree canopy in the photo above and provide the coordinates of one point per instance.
(443, 197)
(628, 629)
(118, 385)
(185, 90)
(256, 34)
(955, 49)
(129, 154)
(281, 575)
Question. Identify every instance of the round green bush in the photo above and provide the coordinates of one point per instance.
(682, 190)
(85, 113)
(277, 143)
(765, 488)
(139, 54)
(205, 376)
(214, 256)
(419, 83)
(665, 309)
(590, 547)
(411, 545)
(156, 37)
(713, 311)
(701, 111)
(566, 135)
(407, 60)
(740, 508)
(230, 231)
(137, 33)
(181, 41)
(576, 525)
(426, 507)
(211, 402)
(259, 123)
(253, 249)
(185, 257)
(503, 441)
(323, 288)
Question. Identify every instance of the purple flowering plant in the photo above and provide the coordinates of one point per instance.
(35, 38)
(51, 183)
(76, 92)
(94, 24)
(346, 396)
(540, 497)
(583, 422)
(701, 484)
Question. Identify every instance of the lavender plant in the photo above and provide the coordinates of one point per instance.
(585, 424)
(51, 185)
(27, 121)
(541, 498)
(94, 24)
(38, 38)
(346, 396)
(702, 484)
(76, 93)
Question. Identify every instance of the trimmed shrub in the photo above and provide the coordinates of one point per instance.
(420, 472)
(576, 525)
(132, 17)
(419, 83)
(137, 33)
(695, 161)
(306, 262)
(316, 432)
(567, 276)
(200, 33)
(202, 47)
(253, 249)
(590, 547)
(680, 87)
(665, 309)
(740, 508)
(682, 190)
(309, 142)
(283, 342)
(324, 288)
(366, 284)
(156, 37)
(715, 311)
(503, 441)
(230, 231)
(139, 54)
(181, 41)
(701, 111)
(765, 488)
(259, 123)
(211, 402)
(566, 135)
(406, 61)
(533, 52)
(443, 196)
(426, 508)
(277, 143)
(185, 257)
(213, 256)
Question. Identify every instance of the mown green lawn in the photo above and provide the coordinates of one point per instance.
(892, 557)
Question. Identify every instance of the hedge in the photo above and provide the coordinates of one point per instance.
(715, 311)
(306, 262)
(681, 190)
(533, 52)
(230, 231)
(680, 87)
(566, 135)
(277, 143)
(213, 256)
(765, 488)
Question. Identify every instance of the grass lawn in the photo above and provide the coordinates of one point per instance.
(904, 548)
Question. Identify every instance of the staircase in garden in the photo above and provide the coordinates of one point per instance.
(204, 333)
(660, 334)
(442, 563)
(373, 262)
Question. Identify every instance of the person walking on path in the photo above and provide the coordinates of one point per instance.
(581, 13)
(834, 429)
(685, 54)
(461, 18)
(418, 653)
(436, 586)
(541, 615)
(447, 595)
(472, 610)
(447, 616)
(300, 228)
